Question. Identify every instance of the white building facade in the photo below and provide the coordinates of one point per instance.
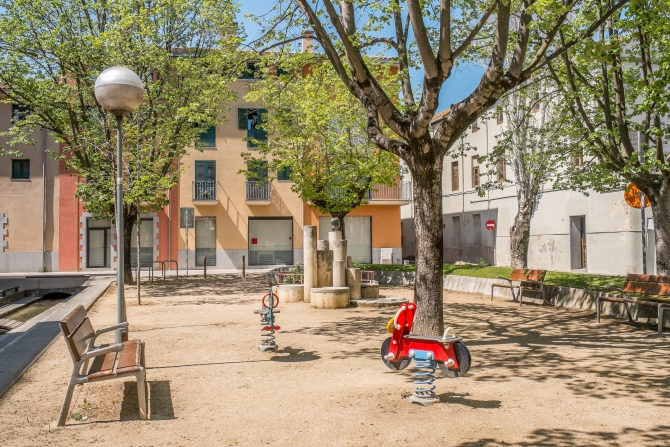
(599, 233)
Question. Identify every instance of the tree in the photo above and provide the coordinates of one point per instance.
(317, 136)
(615, 87)
(445, 33)
(534, 145)
(51, 55)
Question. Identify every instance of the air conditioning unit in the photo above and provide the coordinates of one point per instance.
(386, 256)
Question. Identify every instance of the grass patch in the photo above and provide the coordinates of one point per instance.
(567, 279)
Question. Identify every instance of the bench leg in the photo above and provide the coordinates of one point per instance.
(65, 408)
(492, 287)
(660, 319)
(598, 308)
(142, 393)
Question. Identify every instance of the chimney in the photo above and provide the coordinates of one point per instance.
(308, 41)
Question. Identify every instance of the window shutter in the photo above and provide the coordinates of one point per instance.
(261, 116)
(241, 118)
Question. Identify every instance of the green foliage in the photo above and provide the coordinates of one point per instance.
(317, 132)
(52, 52)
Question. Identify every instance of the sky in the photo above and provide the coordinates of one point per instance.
(462, 82)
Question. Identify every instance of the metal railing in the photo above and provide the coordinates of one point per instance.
(204, 190)
(401, 191)
(259, 191)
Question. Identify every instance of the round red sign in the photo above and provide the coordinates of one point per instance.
(491, 225)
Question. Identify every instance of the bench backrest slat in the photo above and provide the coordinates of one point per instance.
(648, 278)
(527, 274)
(647, 284)
(77, 329)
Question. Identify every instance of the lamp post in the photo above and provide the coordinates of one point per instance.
(119, 90)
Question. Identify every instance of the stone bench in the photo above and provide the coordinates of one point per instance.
(370, 290)
(290, 293)
(330, 297)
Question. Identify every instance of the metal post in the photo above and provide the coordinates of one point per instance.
(244, 264)
(44, 196)
(186, 246)
(205, 267)
(121, 303)
(642, 205)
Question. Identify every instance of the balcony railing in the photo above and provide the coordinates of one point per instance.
(204, 190)
(400, 192)
(259, 192)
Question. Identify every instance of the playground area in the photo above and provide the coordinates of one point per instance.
(540, 376)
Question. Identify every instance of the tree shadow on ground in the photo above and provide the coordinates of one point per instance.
(657, 436)
(217, 286)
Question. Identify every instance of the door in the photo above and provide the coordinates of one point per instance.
(271, 241)
(577, 242)
(205, 241)
(97, 248)
(205, 180)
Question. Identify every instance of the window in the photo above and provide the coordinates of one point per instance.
(456, 222)
(21, 169)
(281, 71)
(357, 231)
(205, 241)
(475, 126)
(252, 120)
(98, 239)
(258, 170)
(500, 116)
(477, 228)
(454, 176)
(500, 169)
(475, 171)
(204, 187)
(577, 159)
(252, 70)
(19, 112)
(146, 243)
(535, 104)
(284, 173)
(208, 137)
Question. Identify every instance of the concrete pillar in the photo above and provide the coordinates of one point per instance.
(324, 268)
(333, 236)
(350, 264)
(309, 259)
(322, 244)
(339, 274)
(339, 247)
(354, 283)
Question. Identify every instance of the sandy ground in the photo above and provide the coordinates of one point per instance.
(540, 377)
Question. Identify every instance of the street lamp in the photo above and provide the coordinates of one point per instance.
(119, 91)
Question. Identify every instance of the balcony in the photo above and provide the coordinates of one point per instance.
(400, 194)
(204, 193)
(259, 193)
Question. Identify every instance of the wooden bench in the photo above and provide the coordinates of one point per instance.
(531, 280)
(368, 276)
(108, 361)
(640, 284)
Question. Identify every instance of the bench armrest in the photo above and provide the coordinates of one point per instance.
(102, 351)
(614, 289)
(123, 325)
(505, 279)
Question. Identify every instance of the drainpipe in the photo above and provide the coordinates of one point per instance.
(44, 195)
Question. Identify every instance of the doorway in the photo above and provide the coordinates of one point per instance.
(577, 242)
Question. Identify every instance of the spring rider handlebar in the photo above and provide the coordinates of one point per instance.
(447, 352)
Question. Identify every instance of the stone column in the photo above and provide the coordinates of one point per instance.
(309, 259)
(324, 268)
(333, 236)
(339, 247)
(322, 245)
(354, 283)
(350, 264)
(339, 274)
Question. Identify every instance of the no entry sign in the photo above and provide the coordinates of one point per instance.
(491, 225)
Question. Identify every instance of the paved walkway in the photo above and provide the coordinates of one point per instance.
(20, 347)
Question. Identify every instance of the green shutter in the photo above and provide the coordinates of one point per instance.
(241, 118)
(261, 115)
(284, 173)
(208, 138)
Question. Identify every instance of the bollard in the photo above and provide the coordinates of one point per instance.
(244, 264)
(205, 271)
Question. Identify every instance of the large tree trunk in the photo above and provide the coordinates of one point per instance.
(660, 199)
(428, 294)
(519, 237)
(130, 214)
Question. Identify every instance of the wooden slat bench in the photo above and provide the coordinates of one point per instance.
(109, 361)
(530, 280)
(643, 285)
